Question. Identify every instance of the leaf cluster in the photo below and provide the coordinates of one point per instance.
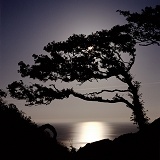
(145, 26)
(84, 58)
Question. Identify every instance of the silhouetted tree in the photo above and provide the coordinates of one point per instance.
(98, 56)
(145, 26)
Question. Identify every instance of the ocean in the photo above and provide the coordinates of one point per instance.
(80, 133)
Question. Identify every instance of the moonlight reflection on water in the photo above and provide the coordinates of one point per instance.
(80, 133)
(92, 131)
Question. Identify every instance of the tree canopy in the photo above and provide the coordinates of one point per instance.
(98, 56)
(81, 58)
(145, 26)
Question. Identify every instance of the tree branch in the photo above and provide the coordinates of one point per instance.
(105, 90)
(116, 99)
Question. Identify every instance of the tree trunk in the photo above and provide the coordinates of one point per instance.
(139, 114)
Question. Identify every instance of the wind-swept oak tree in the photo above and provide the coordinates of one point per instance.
(98, 56)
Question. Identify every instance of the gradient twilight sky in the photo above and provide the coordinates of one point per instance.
(28, 25)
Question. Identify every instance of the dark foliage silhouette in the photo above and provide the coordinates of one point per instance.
(2, 95)
(21, 138)
(10, 115)
(145, 26)
(98, 56)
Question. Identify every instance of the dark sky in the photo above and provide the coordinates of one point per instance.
(28, 25)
